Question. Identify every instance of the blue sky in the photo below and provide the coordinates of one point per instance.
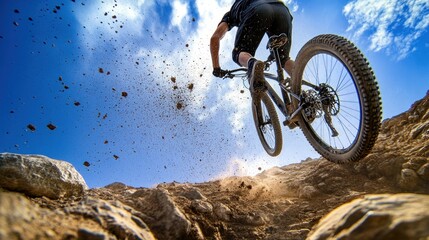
(128, 84)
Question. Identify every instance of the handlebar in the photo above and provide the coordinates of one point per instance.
(230, 73)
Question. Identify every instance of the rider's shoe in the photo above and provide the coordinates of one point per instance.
(256, 76)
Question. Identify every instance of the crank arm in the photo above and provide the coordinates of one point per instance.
(293, 118)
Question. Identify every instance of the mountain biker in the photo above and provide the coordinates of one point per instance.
(253, 18)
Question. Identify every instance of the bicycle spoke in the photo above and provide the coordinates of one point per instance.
(345, 114)
(266, 127)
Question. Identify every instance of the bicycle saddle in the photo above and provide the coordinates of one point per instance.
(277, 41)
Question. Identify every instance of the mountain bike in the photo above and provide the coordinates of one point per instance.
(333, 96)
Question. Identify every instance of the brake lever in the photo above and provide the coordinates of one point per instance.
(228, 75)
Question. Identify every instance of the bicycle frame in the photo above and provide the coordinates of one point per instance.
(285, 104)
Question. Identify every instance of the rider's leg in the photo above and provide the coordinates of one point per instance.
(243, 58)
(253, 27)
(247, 60)
(248, 38)
(255, 70)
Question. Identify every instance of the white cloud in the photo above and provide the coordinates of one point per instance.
(392, 25)
(101, 17)
(179, 14)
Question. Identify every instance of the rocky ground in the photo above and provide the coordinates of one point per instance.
(384, 196)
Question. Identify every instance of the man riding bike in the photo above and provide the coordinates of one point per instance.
(253, 18)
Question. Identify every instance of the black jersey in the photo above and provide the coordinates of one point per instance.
(239, 10)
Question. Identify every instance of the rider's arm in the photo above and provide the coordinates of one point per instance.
(221, 29)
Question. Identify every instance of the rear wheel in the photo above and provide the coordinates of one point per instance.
(341, 114)
(267, 124)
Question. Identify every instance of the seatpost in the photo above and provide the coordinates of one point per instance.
(280, 74)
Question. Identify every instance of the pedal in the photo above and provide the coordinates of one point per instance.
(290, 124)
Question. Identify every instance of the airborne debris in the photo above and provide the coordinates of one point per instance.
(31, 127)
(191, 86)
(51, 126)
(173, 79)
(77, 104)
(100, 70)
(179, 105)
(116, 157)
(124, 94)
(86, 164)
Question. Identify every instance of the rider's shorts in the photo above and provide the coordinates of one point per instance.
(270, 18)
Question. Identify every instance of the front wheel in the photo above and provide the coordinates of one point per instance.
(267, 124)
(339, 96)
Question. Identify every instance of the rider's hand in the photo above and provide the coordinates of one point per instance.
(218, 72)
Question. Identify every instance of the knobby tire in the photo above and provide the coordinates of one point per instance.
(367, 92)
(267, 124)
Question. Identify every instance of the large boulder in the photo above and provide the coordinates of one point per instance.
(390, 217)
(38, 176)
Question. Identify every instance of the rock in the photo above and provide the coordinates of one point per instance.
(202, 206)
(308, 192)
(113, 216)
(167, 220)
(409, 179)
(116, 186)
(252, 219)
(222, 212)
(19, 204)
(89, 234)
(390, 217)
(424, 172)
(16, 213)
(419, 129)
(415, 163)
(38, 176)
(89, 218)
(193, 194)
